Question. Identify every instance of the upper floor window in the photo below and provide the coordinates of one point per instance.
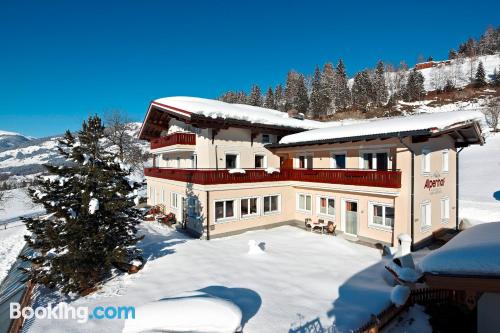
(232, 161)
(445, 162)
(338, 161)
(375, 161)
(426, 160)
(266, 138)
(260, 161)
(305, 161)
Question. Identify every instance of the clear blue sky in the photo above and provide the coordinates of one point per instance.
(63, 60)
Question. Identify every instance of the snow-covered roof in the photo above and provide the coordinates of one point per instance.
(475, 251)
(216, 109)
(434, 122)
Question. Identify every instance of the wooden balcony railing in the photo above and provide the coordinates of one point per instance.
(376, 178)
(174, 139)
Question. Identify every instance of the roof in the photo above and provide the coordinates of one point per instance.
(420, 124)
(474, 251)
(194, 108)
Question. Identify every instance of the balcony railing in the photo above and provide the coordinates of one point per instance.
(174, 139)
(376, 178)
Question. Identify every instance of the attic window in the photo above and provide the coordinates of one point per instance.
(266, 138)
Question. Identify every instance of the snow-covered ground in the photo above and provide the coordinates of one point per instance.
(301, 279)
(11, 243)
(18, 203)
(479, 181)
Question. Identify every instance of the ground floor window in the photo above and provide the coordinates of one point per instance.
(304, 202)
(249, 207)
(381, 215)
(326, 206)
(271, 204)
(445, 210)
(425, 214)
(224, 210)
(174, 200)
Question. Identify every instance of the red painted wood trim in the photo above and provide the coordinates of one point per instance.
(172, 108)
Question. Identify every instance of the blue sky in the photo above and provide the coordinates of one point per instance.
(61, 61)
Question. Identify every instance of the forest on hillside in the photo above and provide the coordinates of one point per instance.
(329, 93)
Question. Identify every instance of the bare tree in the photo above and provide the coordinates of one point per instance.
(119, 131)
(492, 114)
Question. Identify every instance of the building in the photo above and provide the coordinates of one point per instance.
(223, 168)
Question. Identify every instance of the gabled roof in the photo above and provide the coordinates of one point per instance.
(200, 110)
(470, 124)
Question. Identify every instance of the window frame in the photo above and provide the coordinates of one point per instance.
(318, 206)
(333, 162)
(445, 162)
(249, 216)
(423, 217)
(426, 161)
(266, 142)
(264, 160)
(374, 153)
(371, 216)
(237, 159)
(297, 203)
(445, 218)
(225, 218)
(307, 157)
(278, 211)
(176, 195)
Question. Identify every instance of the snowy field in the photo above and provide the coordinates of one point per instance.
(302, 279)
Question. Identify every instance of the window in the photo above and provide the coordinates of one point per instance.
(271, 204)
(326, 206)
(445, 155)
(375, 161)
(194, 161)
(178, 162)
(162, 196)
(425, 214)
(232, 161)
(381, 215)
(224, 210)
(445, 210)
(266, 138)
(248, 207)
(260, 161)
(305, 162)
(338, 161)
(426, 160)
(174, 200)
(367, 161)
(381, 161)
(304, 202)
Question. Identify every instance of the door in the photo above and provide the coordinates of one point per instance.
(350, 216)
(382, 161)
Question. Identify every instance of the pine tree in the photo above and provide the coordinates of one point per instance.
(480, 78)
(496, 78)
(291, 90)
(279, 98)
(452, 54)
(342, 92)
(241, 98)
(92, 220)
(327, 91)
(414, 89)
(379, 86)
(362, 89)
(255, 97)
(270, 101)
(316, 108)
(302, 99)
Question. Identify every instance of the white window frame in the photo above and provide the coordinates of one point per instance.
(225, 218)
(333, 163)
(445, 156)
(194, 161)
(162, 197)
(270, 136)
(306, 160)
(318, 206)
(426, 161)
(264, 160)
(304, 210)
(374, 158)
(249, 216)
(274, 211)
(232, 153)
(382, 226)
(445, 210)
(176, 196)
(424, 217)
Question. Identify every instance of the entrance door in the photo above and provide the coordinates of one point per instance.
(350, 216)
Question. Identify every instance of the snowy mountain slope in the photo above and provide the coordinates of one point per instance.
(10, 140)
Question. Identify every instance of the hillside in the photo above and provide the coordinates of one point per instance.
(10, 140)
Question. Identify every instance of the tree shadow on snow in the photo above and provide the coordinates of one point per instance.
(156, 245)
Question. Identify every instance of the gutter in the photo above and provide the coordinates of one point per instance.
(412, 195)
(457, 181)
(208, 215)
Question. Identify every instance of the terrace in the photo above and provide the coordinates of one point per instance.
(357, 177)
(178, 138)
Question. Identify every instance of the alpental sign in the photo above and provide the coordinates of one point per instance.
(434, 183)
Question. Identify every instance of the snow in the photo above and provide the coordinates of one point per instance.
(93, 205)
(413, 321)
(5, 133)
(399, 295)
(217, 109)
(254, 248)
(475, 251)
(191, 312)
(271, 170)
(18, 203)
(439, 121)
(302, 276)
(11, 244)
(407, 274)
(237, 170)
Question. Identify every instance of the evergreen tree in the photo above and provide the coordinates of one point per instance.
(279, 98)
(362, 89)
(327, 91)
(379, 85)
(316, 108)
(480, 78)
(241, 97)
(452, 54)
(92, 220)
(229, 97)
(291, 90)
(302, 99)
(342, 92)
(414, 89)
(269, 101)
(255, 97)
(496, 78)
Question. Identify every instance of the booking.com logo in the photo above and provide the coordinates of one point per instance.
(64, 311)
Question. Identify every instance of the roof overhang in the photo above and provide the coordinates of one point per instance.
(478, 283)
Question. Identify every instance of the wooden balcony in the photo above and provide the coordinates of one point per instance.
(174, 139)
(375, 178)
